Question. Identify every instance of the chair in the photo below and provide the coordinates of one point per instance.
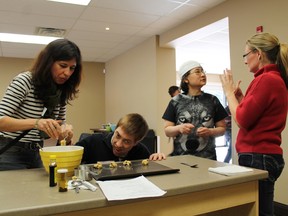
(150, 140)
(84, 135)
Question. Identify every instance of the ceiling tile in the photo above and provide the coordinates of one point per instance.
(131, 22)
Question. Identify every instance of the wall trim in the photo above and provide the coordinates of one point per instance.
(280, 209)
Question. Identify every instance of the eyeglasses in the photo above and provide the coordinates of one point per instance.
(197, 71)
(245, 55)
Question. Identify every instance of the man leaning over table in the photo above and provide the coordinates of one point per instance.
(122, 144)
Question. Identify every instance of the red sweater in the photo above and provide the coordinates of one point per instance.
(262, 113)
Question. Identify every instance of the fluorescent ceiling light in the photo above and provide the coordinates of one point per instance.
(21, 38)
(77, 2)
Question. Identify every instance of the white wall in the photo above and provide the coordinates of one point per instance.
(131, 84)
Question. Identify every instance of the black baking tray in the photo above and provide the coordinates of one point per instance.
(136, 169)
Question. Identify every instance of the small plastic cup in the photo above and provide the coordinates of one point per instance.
(84, 173)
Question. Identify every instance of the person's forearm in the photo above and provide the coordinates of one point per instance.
(218, 131)
(233, 104)
(172, 131)
(11, 125)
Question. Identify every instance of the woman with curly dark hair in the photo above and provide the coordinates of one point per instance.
(34, 105)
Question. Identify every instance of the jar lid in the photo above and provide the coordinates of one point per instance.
(62, 170)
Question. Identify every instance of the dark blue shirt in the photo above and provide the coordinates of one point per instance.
(98, 147)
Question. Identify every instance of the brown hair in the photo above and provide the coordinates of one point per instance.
(57, 50)
(134, 125)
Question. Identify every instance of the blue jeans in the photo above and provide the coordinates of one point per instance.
(19, 157)
(274, 164)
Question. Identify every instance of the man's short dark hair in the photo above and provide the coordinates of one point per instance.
(172, 90)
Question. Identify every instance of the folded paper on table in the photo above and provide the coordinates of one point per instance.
(129, 189)
(81, 186)
(230, 170)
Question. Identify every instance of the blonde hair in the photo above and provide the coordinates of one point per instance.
(276, 52)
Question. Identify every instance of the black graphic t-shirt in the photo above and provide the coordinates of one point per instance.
(202, 111)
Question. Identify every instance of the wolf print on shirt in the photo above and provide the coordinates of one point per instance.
(199, 116)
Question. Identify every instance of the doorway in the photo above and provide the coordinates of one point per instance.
(210, 47)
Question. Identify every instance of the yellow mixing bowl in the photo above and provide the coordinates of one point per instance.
(67, 157)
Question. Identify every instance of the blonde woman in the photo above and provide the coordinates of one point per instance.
(261, 113)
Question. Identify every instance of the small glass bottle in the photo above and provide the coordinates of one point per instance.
(52, 171)
(62, 180)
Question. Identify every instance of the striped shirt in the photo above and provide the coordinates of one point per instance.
(19, 102)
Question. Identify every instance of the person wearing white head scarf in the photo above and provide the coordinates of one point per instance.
(194, 118)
